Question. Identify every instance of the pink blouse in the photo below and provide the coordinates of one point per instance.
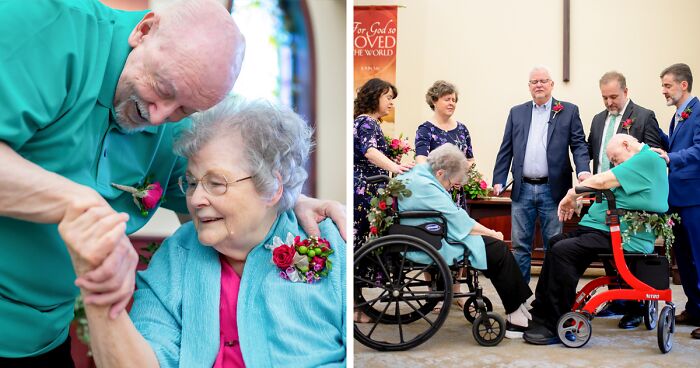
(229, 355)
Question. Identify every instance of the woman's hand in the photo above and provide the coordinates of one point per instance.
(402, 168)
(497, 234)
(311, 211)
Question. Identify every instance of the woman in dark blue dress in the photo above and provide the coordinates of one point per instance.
(374, 100)
(443, 128)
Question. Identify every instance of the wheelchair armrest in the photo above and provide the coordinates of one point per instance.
(377, 179)
(425, 214)
(599, 194)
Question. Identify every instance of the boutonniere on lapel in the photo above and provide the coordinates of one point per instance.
(557, 108)
(627, 124)
(301, 260)
(685, 114)
(146, 196)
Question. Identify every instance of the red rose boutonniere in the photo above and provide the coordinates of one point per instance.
(685, 114)
(627, 124)
(301, 260)
(146, 196)
(557, 108)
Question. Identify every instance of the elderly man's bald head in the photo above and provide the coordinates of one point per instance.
(186, 57)
(621, 147)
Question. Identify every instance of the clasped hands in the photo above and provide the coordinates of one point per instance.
(102, 255)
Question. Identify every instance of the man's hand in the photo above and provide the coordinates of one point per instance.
(583, 175)
(662, 153)
(567, 206)
(311, 211)
(102, 255)
(497, 189)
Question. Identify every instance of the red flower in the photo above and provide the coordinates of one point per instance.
(373, 230)
(557, 107)
(627, 123)
(382, 205)
(283, 256)
(483, 185)
(152, 197)
(395, 143)
(684, 115)
(319, 261)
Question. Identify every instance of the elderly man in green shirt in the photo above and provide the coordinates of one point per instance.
(85, 91)
(639, 182)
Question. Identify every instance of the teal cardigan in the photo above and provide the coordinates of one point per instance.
(428, 194)
(280, 323)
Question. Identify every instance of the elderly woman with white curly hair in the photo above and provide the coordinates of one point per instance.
(242, 284)
(429, 184)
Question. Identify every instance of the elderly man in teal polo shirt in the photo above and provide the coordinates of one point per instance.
(84, 93)
(639, 182)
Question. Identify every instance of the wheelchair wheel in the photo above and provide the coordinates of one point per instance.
(574, 329)
(471, 308)
(667, 325)
(489, 329)
(393, 291)
(651, 313)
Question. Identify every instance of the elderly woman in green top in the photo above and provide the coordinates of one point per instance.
(430, 183)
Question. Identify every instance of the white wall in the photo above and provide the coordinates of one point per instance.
(487, 49)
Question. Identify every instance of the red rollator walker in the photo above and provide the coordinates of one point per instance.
(641, 277)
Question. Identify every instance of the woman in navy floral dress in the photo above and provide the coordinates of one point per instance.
(374, 100)
(443, 128)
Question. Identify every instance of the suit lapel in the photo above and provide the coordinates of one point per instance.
(676, 127)
(551, 123)
(627, 115)
(528, 121)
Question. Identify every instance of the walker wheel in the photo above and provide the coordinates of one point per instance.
(471, 308)
(489, 329)
(667, 325)
(651, 313)
(574, 329)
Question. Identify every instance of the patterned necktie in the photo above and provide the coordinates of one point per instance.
(604, 162)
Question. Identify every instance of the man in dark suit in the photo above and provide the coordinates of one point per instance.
(683, 159)
(535, 144)
(621, 115)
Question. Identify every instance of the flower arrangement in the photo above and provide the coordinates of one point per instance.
(301, 260)
(397, 147)
(476, 186)
(685, 114)
(627, 124)
(557, 108)
(383, 207)
(146, 196)
(659, 225)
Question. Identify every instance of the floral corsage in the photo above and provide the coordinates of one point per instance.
(301, 260)
(685, 114)
(557, 108)
(627, 124)
(146, 196)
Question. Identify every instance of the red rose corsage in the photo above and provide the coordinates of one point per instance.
(627, 124)
(685, 114)
(301, 260)
(557, 108)
(146, 196)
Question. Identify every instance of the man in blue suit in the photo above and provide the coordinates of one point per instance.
(537, 137)
(683, 159)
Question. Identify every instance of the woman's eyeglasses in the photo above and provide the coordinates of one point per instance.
(214, 184)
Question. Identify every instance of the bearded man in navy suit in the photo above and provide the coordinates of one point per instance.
(683, 159)
(537, 138)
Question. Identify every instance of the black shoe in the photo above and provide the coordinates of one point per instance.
(514, 331)
(541, 335)
(629, 321)
(614, 308)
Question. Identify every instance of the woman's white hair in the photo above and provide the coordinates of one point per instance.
(277, 143)
(448, 158)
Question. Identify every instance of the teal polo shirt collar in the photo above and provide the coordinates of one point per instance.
(119, 51)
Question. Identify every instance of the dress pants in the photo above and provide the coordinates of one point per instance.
(567, 258)
(60, 357)
(505, 275)
(687, 250)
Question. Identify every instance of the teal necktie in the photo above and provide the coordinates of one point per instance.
(604, 162)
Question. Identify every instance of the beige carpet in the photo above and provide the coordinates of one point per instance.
(454, 346)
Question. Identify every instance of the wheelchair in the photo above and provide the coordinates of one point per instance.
(391, 286)
(642, 277)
